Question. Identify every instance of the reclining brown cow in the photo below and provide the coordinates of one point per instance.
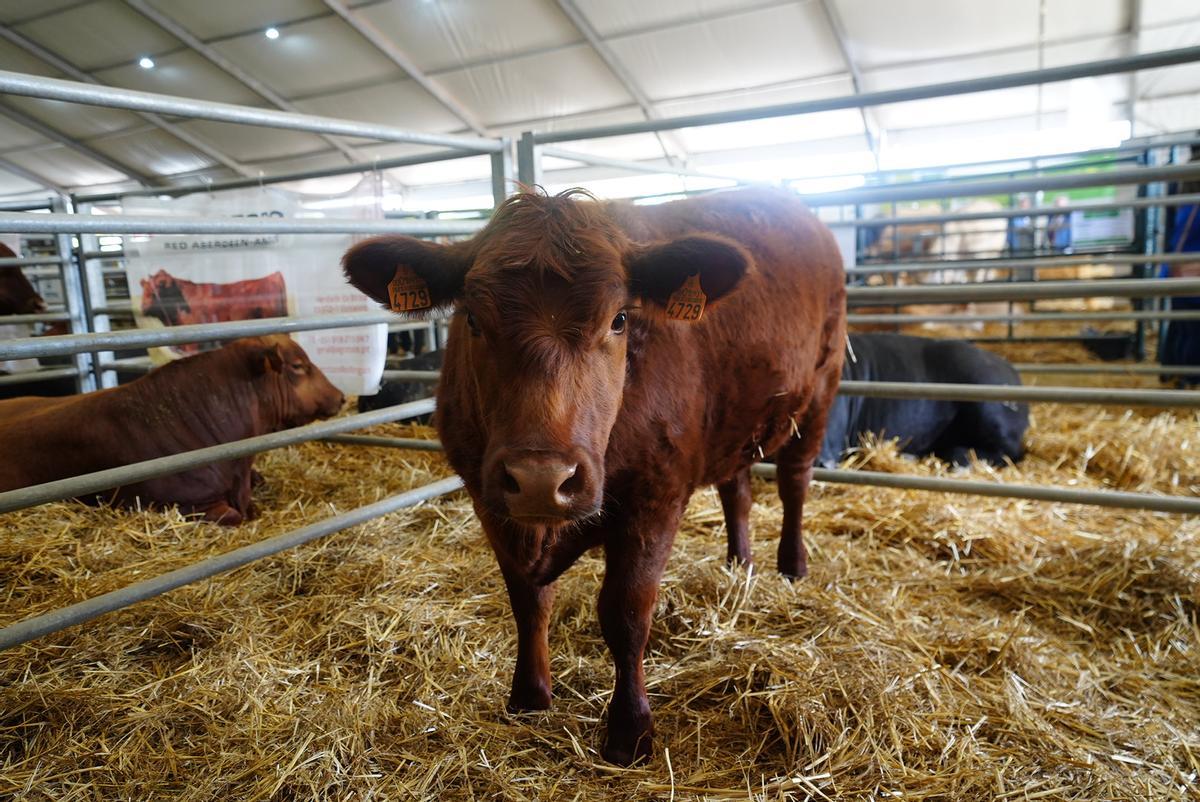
(17, 295)
(250, 387)
(604, 361)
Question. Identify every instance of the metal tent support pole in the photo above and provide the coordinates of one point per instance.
(75, 296)
(529, 168)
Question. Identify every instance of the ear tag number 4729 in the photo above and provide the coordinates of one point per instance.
(408, 292)
(687, 302)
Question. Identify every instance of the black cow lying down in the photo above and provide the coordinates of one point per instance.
(950, 430)
(393, 392)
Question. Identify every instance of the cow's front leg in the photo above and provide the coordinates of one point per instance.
(531, 604)
(736, 501)
(634, 561)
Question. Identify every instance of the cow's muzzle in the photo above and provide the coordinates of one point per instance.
(540, 487)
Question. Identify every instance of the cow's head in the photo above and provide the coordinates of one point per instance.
(17, 295)
(550, 299)
(294, 391)
(163, 298)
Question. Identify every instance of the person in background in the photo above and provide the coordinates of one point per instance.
(1021, 231)
(1180, 344)
(1058, 228)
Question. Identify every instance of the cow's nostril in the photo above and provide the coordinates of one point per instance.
(572, 484)
(510, 483)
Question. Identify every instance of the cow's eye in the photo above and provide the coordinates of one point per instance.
(471, 322)
(618, 323)
(298, 367)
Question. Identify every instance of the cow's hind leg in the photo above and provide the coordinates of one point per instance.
(735, 501)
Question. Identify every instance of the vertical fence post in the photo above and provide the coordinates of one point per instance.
(74, 297)
(503, 173)
(96, 297)
(529, 169)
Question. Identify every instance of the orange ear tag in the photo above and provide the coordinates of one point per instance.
(408, 292)
(687, 302)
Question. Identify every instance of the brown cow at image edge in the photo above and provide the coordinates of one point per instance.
(250, 387)
(579, 414)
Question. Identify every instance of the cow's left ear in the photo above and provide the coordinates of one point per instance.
(267, 360)
(659, 272)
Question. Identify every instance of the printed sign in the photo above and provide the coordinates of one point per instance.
(208, 278)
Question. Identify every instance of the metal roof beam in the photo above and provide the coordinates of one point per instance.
(871, 125)
(601, 48)
(64, 66)
(271, 96)
(387, 47)
(58, 136)
(28, 175)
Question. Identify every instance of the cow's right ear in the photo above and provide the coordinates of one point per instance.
(372, 264)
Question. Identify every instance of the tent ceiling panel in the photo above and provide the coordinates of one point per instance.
(184, 73)
(248, 143)
(15, 11)
(153, 151)
(14, 136)
(613, 17)
(401, 103)
(444, 172)
(1071, 19)
(317, 56)
(548, 84)
(73, 119)
(99, 34)
(442, 36)
(15, 59)
(759, 47)
(904, 30)
(1170, 80)
(15, 185)
(216, 18)
(1164, 12)
(1169, 114)
(774, 131)
(65, 167)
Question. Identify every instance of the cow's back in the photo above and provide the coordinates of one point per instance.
(761, 360)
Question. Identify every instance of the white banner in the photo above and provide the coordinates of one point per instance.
(208, 278)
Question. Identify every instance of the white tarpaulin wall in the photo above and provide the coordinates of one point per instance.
(183, 279)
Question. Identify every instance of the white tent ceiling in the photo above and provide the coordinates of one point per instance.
(504, 66)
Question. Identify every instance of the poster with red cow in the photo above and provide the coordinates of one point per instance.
(178, 280)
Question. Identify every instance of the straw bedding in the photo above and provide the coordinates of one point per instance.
(943, 647)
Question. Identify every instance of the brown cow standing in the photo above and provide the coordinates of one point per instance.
(579, 415)
(250, 387)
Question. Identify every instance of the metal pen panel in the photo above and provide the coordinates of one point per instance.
(143, 338)
(100, 481)
(1097, 498)
(47, 623)
(1024, 291)
(1019, 393)
(29, 223)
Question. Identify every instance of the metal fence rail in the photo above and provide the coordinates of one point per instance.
(966, 318)
(1037, 211)
(1012, 392)
(1097, 498)
(1043, 367)
(1023, 263)
(31, 223)
(54, 621)
(100, 481)
(1023, 291)
(15, 83)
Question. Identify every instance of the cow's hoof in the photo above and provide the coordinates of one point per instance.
(528, 699)
(794, 571)
(630, 737)
(626, 750)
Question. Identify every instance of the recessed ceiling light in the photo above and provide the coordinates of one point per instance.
(146, 63)
(272, 33)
